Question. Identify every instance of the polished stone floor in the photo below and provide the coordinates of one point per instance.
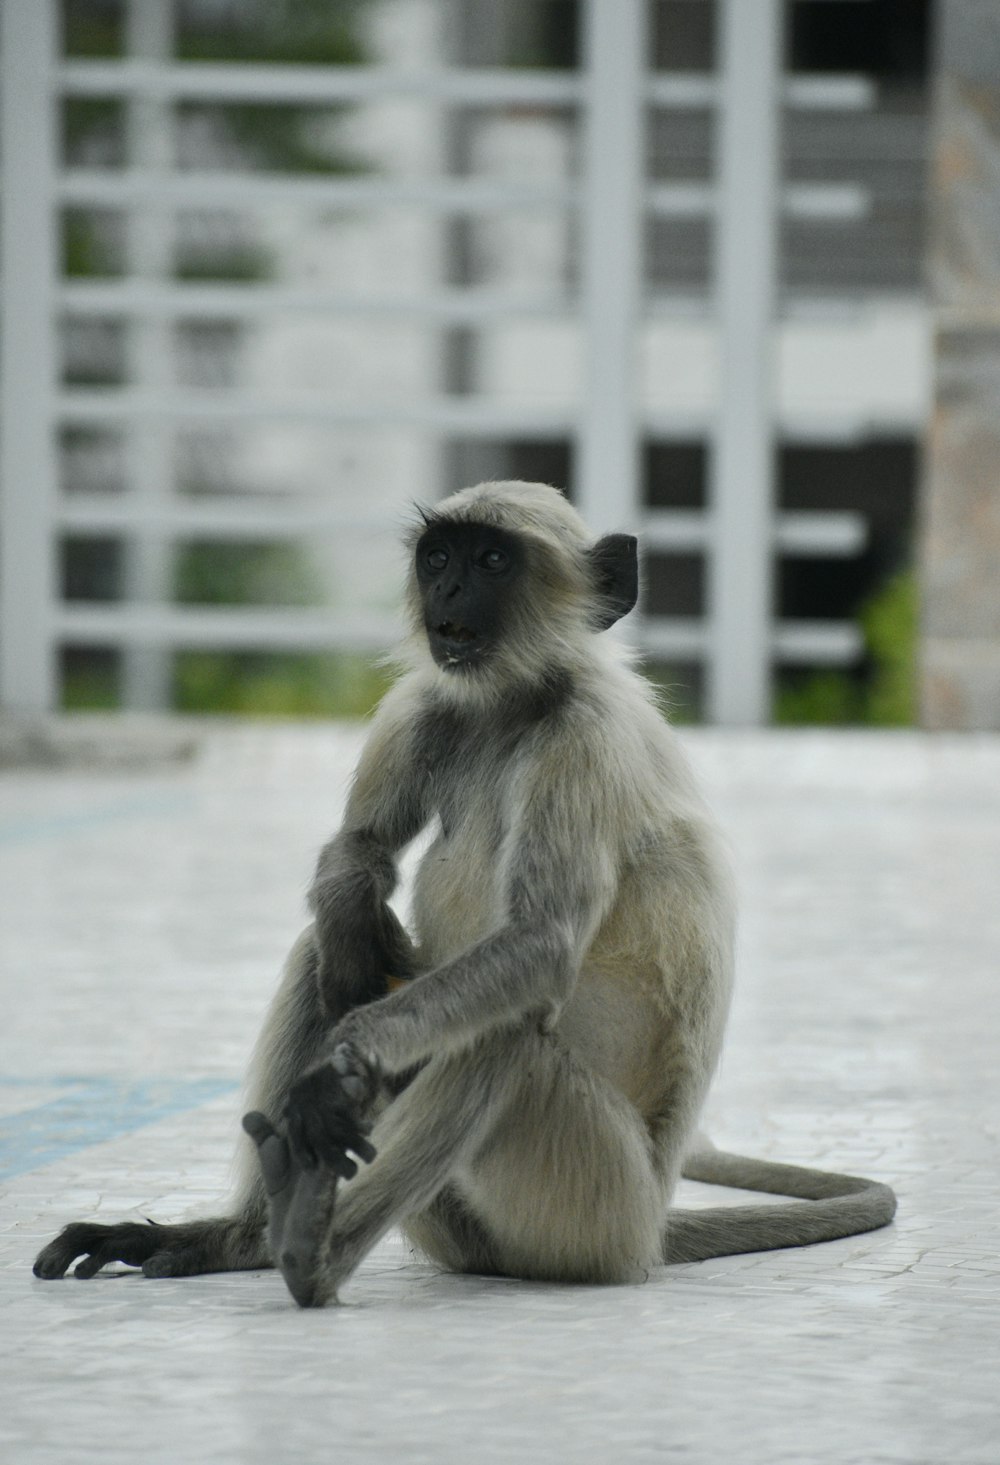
(150, 880)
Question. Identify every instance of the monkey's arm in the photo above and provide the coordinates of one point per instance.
(557, 892)
(360, 941)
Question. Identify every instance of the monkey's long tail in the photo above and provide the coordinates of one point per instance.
(826, 1206)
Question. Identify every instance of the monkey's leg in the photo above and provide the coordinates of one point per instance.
(236, 1242)
(324, 1124)
(553, 1166)
(453, 1236)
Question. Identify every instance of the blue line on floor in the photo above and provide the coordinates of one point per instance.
(82, 821)
(91, 1111)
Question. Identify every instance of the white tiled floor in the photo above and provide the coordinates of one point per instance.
(144, 915)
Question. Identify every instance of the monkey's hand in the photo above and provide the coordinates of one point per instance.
(326, 1115)
(356, 945)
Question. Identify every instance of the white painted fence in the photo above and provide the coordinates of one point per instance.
(738, 640)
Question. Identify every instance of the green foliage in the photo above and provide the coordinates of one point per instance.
(264, 684)
(84, 250)
(321, 684)
(245, 573)
(891, 624)
(820, 698)
(90, 684)
(244, 265)
(309, 31)
(92, 30)
(280, 138)
(884, 693)
(318, 31)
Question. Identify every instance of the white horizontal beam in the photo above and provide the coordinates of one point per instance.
(817, 643)
(472, 416)
(805, 202)
(471, 86)
(235, 301)
(841, 202)
(127, 188)
(830, 427)
(671, 530)
(833, 93)
(684, 637)
(461, 415)
(203, 188)
(317, 85)
(805, 643)
(227, 300)
(232, 518)
(802, 533)
(813, 532)
(683, 90)
(232, 628)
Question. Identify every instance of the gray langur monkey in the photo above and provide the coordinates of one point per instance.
(525, 1101)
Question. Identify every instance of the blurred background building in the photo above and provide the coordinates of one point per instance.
(274, 271)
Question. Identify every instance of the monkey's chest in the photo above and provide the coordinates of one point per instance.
(457, 897)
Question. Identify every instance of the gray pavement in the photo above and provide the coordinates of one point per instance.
(151, 878)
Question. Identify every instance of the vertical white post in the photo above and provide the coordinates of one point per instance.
(28, 586)
(607, 471)
(148, 562)
(740, 571)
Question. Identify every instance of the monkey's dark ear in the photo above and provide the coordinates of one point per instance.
(615, 560)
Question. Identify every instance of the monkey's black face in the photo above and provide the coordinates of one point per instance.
(466, 573)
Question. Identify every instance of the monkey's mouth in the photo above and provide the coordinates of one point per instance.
(452, 631)
(454, 645)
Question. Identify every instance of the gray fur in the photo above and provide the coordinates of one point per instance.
(538, 1082)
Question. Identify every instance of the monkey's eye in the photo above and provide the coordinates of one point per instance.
(436, 559)
(494, 560)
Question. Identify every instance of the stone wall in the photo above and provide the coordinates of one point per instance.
(960, 530)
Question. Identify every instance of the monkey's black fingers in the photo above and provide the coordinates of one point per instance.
(272, 1151)
(325, 1116)
(130, 1242)
(363, 1148)
(336, 1147)
(327, 1137)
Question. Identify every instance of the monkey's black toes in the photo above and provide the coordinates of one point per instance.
(272, 1151)
(131, 1242)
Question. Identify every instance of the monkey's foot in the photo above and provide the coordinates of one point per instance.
(300, 1205)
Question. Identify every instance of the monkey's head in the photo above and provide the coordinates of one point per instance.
(506, 582)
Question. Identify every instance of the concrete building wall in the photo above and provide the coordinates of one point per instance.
(960, 535)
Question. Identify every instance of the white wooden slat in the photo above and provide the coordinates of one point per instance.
(486, 86)
(207, 188)
(148, 566)
(183, 627)
(607, 471)
(802, 533)
(741, 461)
(317, 85)
(28, 576)
(228, 301)
(823, 534)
